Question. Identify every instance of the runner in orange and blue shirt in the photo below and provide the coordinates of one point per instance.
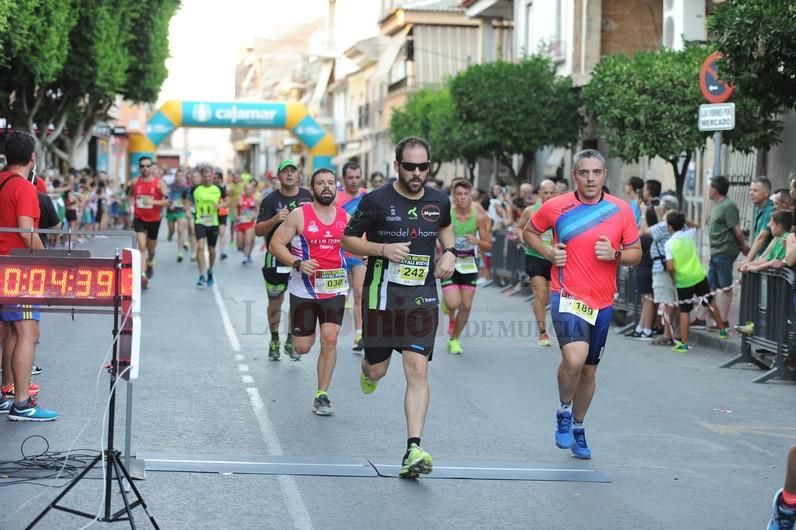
(348, 199)
(593, 233)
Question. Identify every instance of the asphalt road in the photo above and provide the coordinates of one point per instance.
(684, 443)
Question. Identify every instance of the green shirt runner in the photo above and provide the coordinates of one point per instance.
(206, 199)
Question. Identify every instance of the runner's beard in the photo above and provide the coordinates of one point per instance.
(406, 184)
(324, 200)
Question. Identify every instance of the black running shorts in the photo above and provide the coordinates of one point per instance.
(207, 232)
(401, 329)
(150, 228)
(305, 312)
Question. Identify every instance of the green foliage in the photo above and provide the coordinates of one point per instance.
(758, 41)
(648, 105)
(67, 61)
(516, 108)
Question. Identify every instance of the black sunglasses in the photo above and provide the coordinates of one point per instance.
(144, 166)
(410, 166)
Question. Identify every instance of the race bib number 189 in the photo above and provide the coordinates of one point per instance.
(411, 271)
(575, 307)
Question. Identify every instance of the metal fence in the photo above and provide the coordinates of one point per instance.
(767, 305)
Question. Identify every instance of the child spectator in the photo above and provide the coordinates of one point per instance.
(690, 277)
(773, 257)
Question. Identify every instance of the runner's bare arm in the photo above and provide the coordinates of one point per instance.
(631, 255)
(31, 240)
(524, 218)
(164, 190)
(484, 240)
(534, 240)
(264, 227)
(444, 268)
(362, 247)
(284, 235)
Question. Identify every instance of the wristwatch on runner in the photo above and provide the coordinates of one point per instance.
(618, 255)
(453, 251)
(297, 264)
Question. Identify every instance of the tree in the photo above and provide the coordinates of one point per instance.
(516, 108)
(648, 104)
(757, 39)
(68, 61)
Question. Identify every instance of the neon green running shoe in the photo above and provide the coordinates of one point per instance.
(367, 385)
(724, 333)
(455, 347)
(680, 347)
(273, 350)
(289, 350)
(416, 461)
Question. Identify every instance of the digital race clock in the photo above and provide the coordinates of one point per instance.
(60, 281)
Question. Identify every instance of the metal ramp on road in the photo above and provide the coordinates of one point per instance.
(341, 466)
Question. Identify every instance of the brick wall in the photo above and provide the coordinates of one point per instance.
(631, 25)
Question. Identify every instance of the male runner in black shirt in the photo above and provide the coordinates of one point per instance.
(403, 221)
(273, 211)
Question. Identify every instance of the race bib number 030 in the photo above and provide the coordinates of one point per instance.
(413, 270)
(331, 281)
(575, 307)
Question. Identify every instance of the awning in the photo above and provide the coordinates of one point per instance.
(391, 50)
(490, 9)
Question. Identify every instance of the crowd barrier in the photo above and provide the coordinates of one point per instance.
(767, 302)
(508, 259)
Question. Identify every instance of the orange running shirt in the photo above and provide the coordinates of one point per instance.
(580, 226)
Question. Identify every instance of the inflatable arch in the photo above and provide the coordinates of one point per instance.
(235, 115)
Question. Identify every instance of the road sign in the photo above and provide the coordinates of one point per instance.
(713, 89)
(717, 117)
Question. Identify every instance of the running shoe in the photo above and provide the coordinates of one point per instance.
(179, 257)
(144, 282)
(5, 405)
(366, 384)
(273, 350)
(249, 260)
(680, 347)
(30, 411)
(210, 280)
(8, 391)
(640, 335)
(150, 270)
(322, 406)
(185, 247)
(245, 262)
(724, 333)
(746, 329)
(543, 340)
(415, 462)
(580, 449)
(455, 347)
(36, 370)
(201, 281)
(781, 518)
(223, 257)
(289, 350)
(359, 342)
(564, 438)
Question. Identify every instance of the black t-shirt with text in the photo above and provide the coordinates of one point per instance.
(386, 216)
(275, 201)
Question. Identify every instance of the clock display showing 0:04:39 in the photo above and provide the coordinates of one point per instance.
(56, 282)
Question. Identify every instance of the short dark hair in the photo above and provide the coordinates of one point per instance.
(352, 165)
(783, 218)
(676, 219)
(636, 183)
(318, 172)
(654, 187)
(764, 181)
(20, 146)
(462, 183)
(144, 158)
(721, 184)
(411, 141)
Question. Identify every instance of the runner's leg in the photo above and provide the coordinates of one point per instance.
(417, 392)
(467, 295)
(328, 356)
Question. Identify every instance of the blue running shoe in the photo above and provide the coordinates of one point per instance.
(5, 406)
(201, 281)
(30, 411)
(564, 438)
(580, 449)
(781, 517)
(210, 280)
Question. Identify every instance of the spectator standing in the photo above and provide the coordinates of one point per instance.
(663, 291)
(634, 189)
(726, 240)
(760, 194)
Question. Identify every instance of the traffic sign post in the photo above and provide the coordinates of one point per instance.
(715, 91)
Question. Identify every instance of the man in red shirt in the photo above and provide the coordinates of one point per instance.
(148, 195)
(19, 324)
(593, 232)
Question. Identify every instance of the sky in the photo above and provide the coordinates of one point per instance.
(205, 38)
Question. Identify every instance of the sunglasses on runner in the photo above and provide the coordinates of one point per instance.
(411, 166)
